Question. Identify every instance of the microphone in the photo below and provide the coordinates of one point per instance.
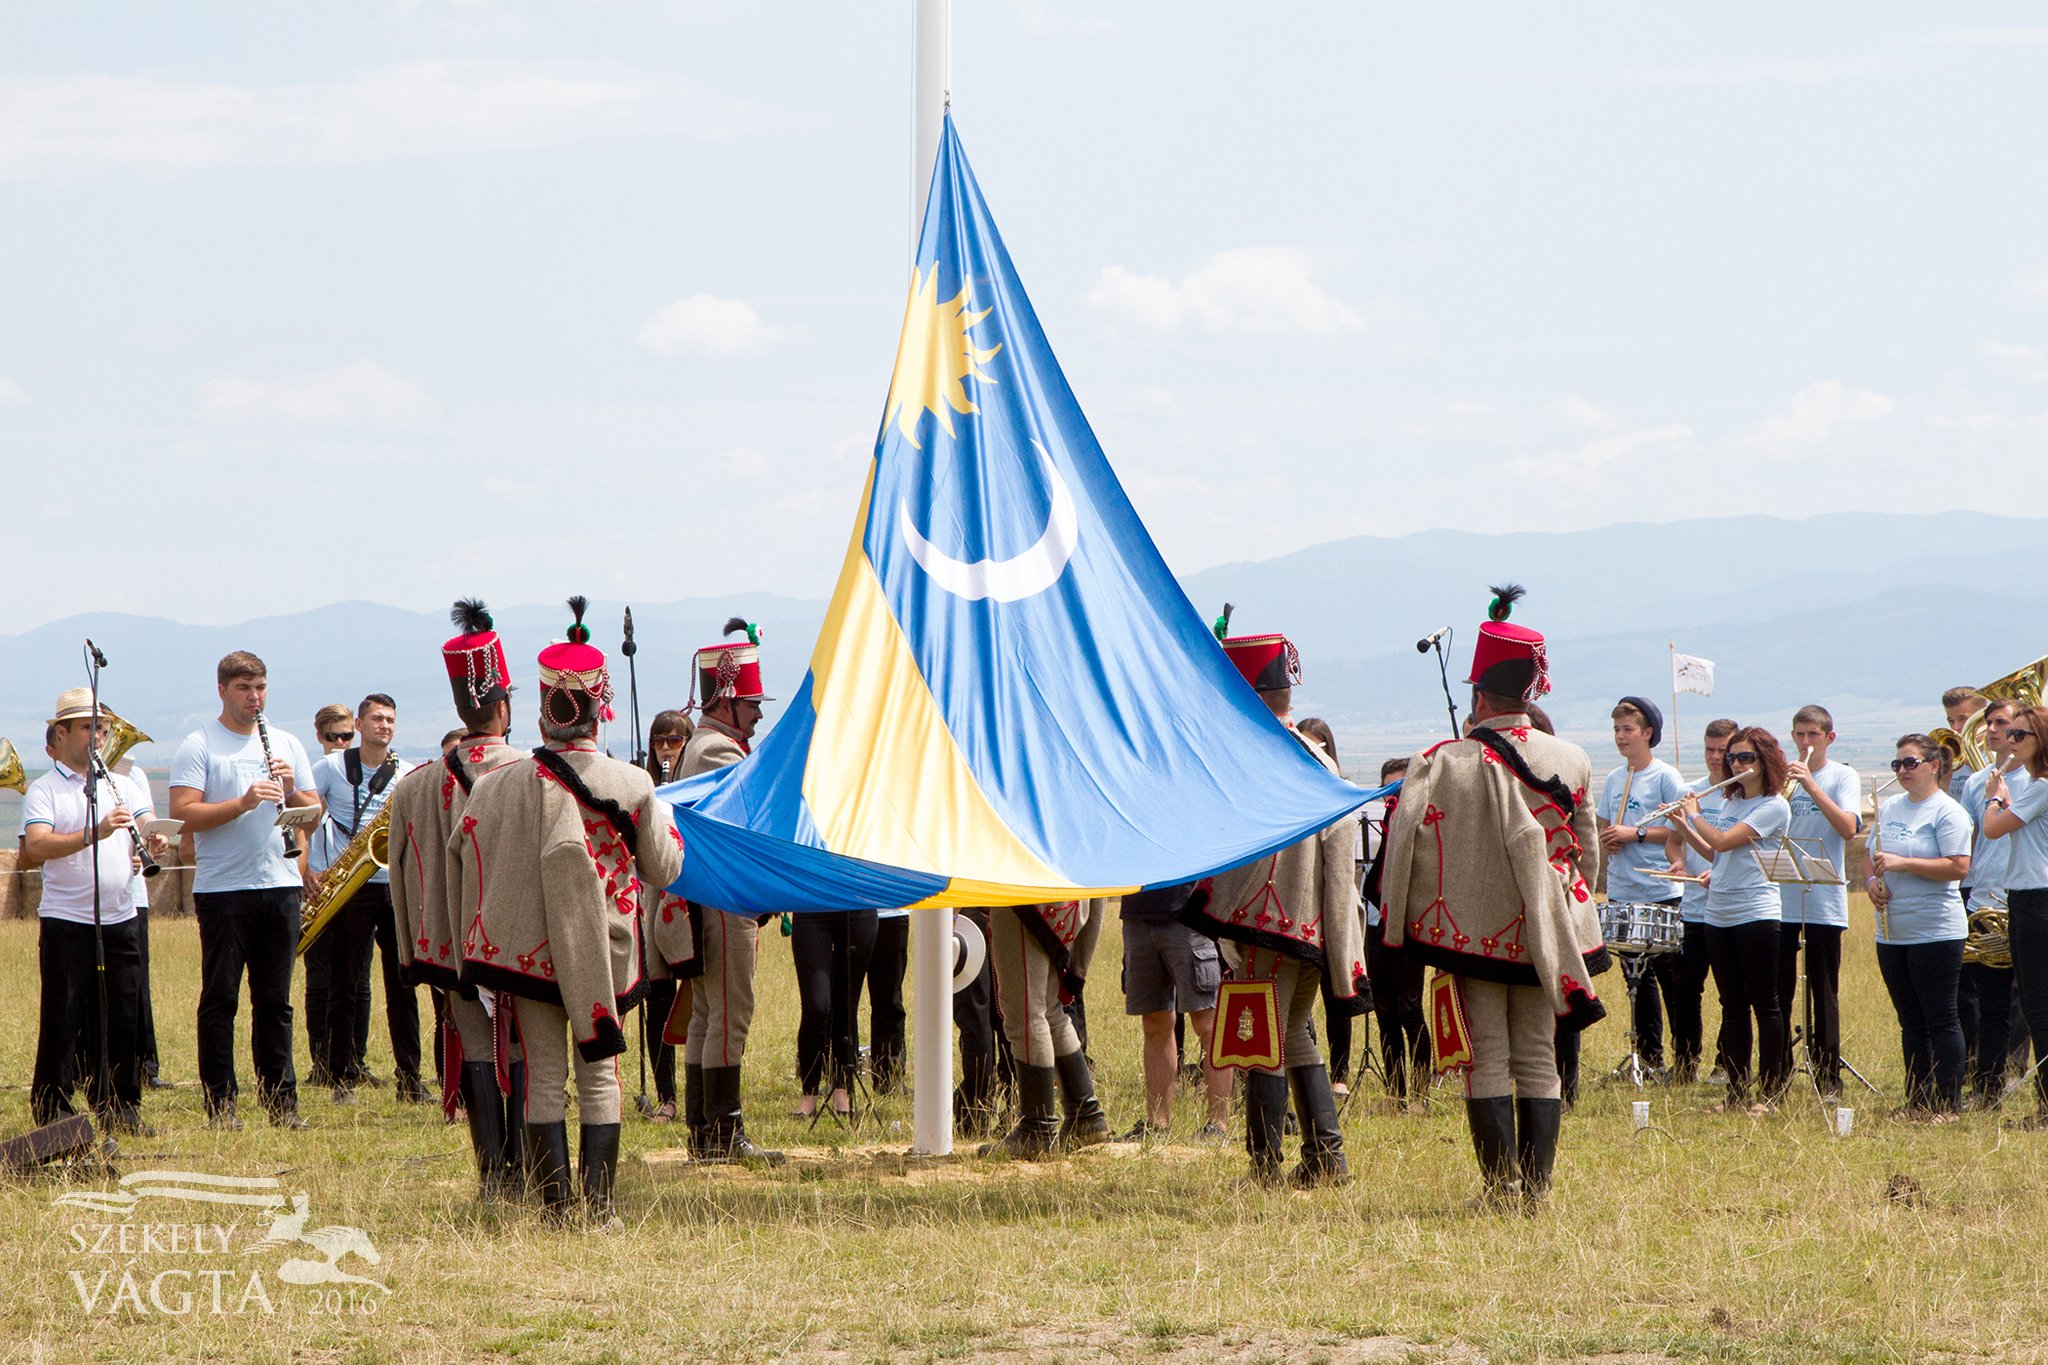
(1422, 645)
(99, 660)
(628, 648)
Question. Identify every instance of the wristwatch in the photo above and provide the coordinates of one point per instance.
(1641, 834)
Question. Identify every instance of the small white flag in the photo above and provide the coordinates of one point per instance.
(1692, 674)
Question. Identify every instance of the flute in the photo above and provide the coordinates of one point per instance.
(1792, 783)
(1662, 811)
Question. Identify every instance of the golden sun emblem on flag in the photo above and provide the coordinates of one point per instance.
(935, 355)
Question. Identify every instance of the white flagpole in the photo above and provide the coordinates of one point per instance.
(931, 931)
(1677, 745)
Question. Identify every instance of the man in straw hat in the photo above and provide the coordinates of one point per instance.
(1296, 916)
(86, 896)
(426, 808)
(554, 855)
(1489, 868)
(722, 1002)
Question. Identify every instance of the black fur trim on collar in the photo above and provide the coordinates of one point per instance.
(457, 771)
(1552, 787)
(614, 813)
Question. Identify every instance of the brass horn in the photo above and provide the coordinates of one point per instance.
(12, 774)
(1990, 940)
(121, 737)
(2027, 686)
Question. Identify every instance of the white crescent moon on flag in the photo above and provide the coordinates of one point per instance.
(1004, 580)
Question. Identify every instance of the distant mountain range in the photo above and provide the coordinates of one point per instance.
(1871, 615)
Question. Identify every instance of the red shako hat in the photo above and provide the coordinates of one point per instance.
(476, 658)
(1509, 660)
(1268, 662)
(572, 667)
(732, 672)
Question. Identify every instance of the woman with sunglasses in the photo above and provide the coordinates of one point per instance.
(666, 736)
(1743, 910)
(1922, 856)
(2013, 809)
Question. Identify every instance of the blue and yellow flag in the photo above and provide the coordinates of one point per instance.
(1011, 700)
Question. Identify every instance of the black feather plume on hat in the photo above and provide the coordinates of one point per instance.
(1504, 599)
(734, 625)
(579, 634)
(1222, 626)
(470, 616)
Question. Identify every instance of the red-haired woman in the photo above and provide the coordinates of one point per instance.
(1743, 910)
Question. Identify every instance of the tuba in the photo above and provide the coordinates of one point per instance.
(2028, 686)
(368, 853)
(121, 737)
(1989, 943)
(12, 774)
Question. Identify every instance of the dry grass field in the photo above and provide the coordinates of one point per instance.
(1704, 1237)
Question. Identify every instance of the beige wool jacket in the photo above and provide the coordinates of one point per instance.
(1490, 876)
(556, 885)
(1301, 901)
(425, 877)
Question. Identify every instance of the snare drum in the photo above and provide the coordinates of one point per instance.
(1641, 927)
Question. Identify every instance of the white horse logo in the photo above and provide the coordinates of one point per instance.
(334, 1243)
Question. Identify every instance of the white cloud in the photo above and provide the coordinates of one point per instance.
(1251, 289)
(461, 18)
(361, 393)
(1769, 71)
(1991, 37)
(52, 127)
(704, 324)
(1581, 413)
(2032, 285)
(1813, 415)
(1466, 407)
(11, 392)
(1588, 462)
(2027, 363)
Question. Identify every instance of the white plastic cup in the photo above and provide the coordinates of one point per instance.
(1845, 1121)
(1641, 1109)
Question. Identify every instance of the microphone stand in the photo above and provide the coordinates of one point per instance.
(628, 648)
(94, 662)
(1444, 672)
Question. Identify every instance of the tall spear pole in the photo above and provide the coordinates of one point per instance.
(931, 930)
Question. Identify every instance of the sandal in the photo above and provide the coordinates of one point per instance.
(665, 1112)
(807, 1107)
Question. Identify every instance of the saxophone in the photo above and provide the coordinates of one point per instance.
(367, 853)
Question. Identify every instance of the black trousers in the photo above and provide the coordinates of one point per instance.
(349, 939)
(661, 1055)
(145, 1012)
(68, 1021)
(1684, 990)
(1337, 1030)
(1744, 958)
(1984, 1007)
(319, 973)
(982, 1046)
(1922, 980)
(1657, 984)
(1396, 979)
(887, 965)
(1822, 1016)
(401, 997)
(2027, 921)
(832, 950)
(254, 932)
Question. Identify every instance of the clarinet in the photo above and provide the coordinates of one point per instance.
(141, 846)
(291, 850)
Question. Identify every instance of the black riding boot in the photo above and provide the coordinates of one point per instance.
(1537, 1124)
(1084, 1123)
(974, 1105)
(510, 1174)
(1265, 1107)
(697, 1131)
(1493, 1140)
(728, 1137)
(1038, 1123)
(597, 1159)
(547, 1166)
(1322, 1140)
(486, 1110)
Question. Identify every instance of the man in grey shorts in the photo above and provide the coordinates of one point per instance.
(1170, 969)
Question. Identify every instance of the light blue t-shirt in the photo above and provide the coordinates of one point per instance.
(246, 853)
(1628, 867)
(1825, 903)
(339, 823)
(1989, 857)
(1692, 906)
(1740, 892)
(2026, 867)
(1923, 910)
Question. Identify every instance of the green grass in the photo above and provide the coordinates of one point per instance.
(1709, 1237)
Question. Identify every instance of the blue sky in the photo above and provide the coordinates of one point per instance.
(404, 300)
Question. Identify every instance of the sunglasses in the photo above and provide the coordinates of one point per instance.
(339, 736)
(2017, 733)
(1908, 764)
(1747, 756)
(671, 739)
